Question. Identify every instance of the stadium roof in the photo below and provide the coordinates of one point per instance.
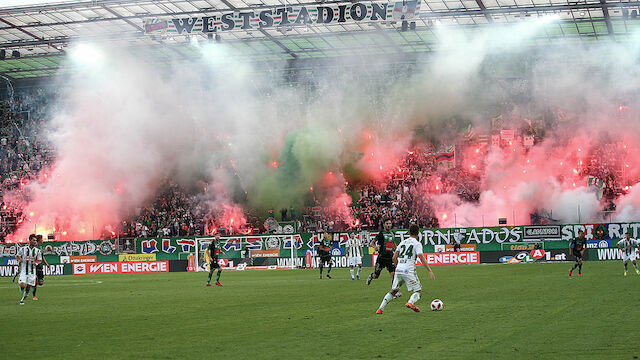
(41, 32)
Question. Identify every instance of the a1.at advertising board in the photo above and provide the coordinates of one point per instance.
(526, 256)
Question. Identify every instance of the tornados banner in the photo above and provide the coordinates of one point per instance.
(284, 16)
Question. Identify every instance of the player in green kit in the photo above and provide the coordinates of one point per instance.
(324, 253)
(211, 254)
(385, 245)
(577, 248)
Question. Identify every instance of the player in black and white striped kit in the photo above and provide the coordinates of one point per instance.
(39, 268)
(28, 257)
(354, 255)
(628, 247)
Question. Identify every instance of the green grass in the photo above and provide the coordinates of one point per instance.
(499, 311)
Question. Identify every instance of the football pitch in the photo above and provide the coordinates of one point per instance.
(490, 311)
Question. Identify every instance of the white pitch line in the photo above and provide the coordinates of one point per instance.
(58, 284)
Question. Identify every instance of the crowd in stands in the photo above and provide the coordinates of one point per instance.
(24, 153)
(25, 156)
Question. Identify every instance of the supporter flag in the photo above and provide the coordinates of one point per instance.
(562, 116)
(447, 156)
(404, 10)
(495, 140)
(598, 184)
(528, 140)
(470, 134)
(530, 123)
(508, 135)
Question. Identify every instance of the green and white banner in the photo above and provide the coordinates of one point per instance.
(267, 245)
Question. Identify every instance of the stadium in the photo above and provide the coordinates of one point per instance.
(260, 179)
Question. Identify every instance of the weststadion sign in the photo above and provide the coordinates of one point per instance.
(284, 16)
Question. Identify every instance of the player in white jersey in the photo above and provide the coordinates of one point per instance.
(354, 255)
(404, 258)
(628, 247)
(28, 257)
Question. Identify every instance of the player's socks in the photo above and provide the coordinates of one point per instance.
(414, 297)
(573, 268)
(218, 276)
(329, 270)
(386, 300)
(351, 272)
(24, 295)
(358, 273)
(35, 288)
(579, 269)
(209, 279)
(369, 279)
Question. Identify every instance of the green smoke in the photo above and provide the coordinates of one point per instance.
(305, 157)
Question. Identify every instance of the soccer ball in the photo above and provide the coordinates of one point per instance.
(437, 305)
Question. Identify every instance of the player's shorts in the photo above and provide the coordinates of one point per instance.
(382, 263)
(325, 259)
(27, 279)
(410, 278)
(627, 258)
(214, 265)
(355, 261)
(40, 275)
